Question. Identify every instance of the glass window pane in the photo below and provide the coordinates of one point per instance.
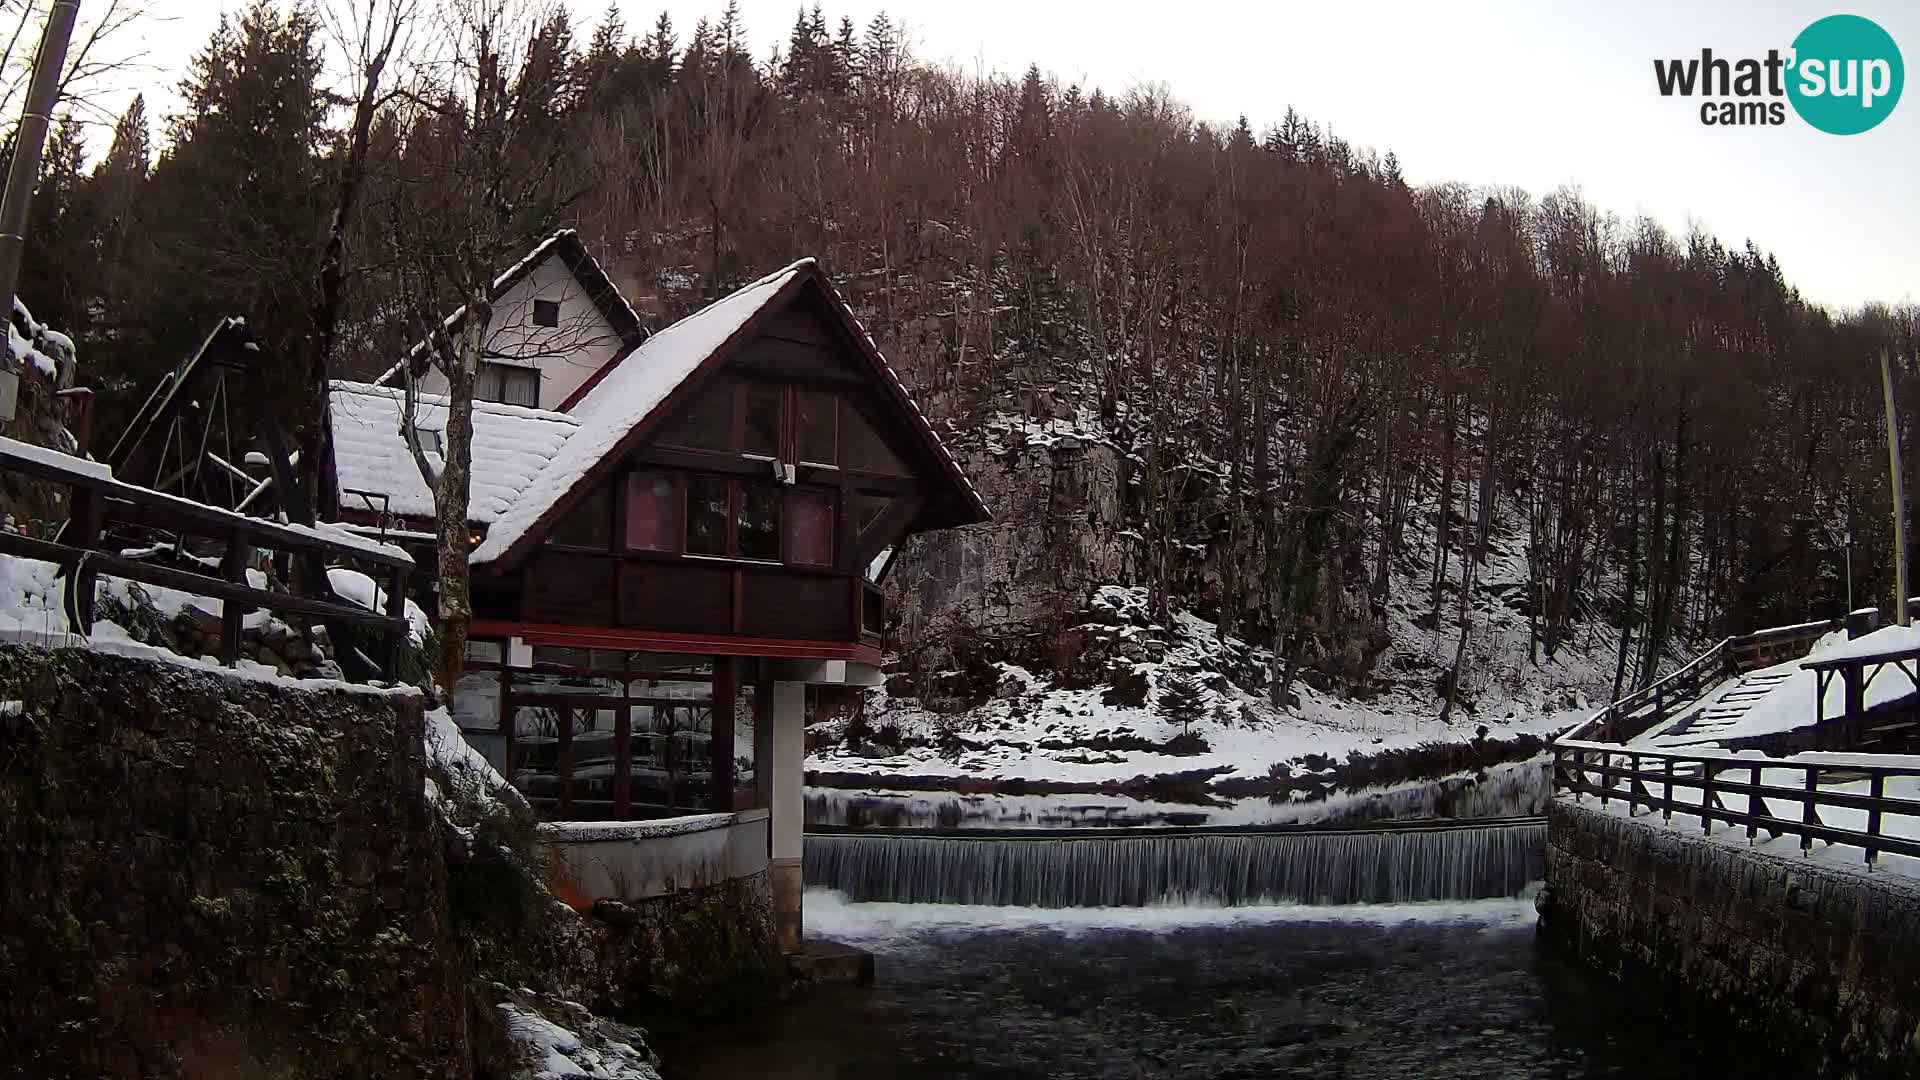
(649, 512)
(816, 427)
(762, 433)
(520, 387)
(865, 450)
(707, 515)
(810, 529)
(705, 423)
(760, 521)
(588, 524)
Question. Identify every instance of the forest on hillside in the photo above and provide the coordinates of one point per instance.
(1306, 363)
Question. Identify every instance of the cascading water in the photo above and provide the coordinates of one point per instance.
(1455, 861)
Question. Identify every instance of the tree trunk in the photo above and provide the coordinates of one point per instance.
(450, 498)
(325, 316)
(1629, 587)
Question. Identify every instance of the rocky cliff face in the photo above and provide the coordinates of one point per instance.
(1056, 535)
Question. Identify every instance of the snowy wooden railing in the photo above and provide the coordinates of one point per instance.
(97, 499)
(1820, 801)
(1730, 656)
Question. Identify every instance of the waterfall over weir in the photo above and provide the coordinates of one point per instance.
(1452, 860)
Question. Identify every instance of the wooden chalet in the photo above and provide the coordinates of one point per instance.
(672, 564)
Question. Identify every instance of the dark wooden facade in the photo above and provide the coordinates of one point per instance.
(745, 518)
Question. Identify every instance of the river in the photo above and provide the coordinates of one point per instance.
(1396, 991)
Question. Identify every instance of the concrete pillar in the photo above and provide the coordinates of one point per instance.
(785, 773)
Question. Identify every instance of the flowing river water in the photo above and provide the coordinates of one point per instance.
(1393, 991)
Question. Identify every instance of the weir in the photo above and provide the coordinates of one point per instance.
(1429, 860)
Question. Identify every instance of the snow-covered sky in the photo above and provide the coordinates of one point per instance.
(1504, 92)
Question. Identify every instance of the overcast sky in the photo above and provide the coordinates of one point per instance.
(1534, 95)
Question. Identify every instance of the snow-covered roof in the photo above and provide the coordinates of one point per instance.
(1887, 639)
(624, 395)
(511, 444)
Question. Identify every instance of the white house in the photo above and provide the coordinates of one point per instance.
(557, 320)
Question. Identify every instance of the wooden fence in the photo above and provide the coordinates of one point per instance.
(97, 500)
(1667, 781)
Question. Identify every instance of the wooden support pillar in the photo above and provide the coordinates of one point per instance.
(86, 519)
(623, 763)
(563, 806)
(507, 723)
(1856, 680)
(233, 567)
(763, 739)
(786, 770)
(720, 738)
(396, 609)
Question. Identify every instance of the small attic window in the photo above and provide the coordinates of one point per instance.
(432, 441)
(546, 313)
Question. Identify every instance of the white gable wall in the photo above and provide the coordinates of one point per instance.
(565, 355)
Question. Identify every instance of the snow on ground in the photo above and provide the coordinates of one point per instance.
(1507, 685)
(830, 915)
(556, 1052)
(1033, 729)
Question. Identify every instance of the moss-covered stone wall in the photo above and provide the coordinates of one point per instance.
(693, 953)
(207, 876)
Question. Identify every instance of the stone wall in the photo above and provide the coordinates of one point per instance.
(694, 953)
(1819, 961)
(202, 875)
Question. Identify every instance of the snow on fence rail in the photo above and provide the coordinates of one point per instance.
(97, 498)
(1866, 801)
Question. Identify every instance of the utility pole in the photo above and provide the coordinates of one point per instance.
(1899, 495)
(24, 173)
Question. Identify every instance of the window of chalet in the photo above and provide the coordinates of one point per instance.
(587, 524)
(650, 512)
(546, 313)
(709, 499)
(810, 528)
(761, 432)
(507, 384)
(759, 521)
(788, 423)
(817, 427)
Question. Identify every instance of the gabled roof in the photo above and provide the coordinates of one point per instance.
(629, 395)
(572, 252)
(511, 444)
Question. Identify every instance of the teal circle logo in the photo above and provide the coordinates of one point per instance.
(1846, 76)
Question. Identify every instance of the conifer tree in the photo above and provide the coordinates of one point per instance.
(243, 188)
